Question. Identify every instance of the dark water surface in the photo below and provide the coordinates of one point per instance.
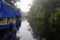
(24, 32)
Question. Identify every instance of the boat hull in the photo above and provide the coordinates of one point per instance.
(3, 26)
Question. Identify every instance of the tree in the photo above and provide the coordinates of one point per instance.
(44, 19)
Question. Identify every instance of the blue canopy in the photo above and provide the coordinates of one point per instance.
(7, 11)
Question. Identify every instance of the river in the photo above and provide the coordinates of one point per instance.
(24, 32)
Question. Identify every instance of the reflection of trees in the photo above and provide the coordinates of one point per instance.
(44, 19)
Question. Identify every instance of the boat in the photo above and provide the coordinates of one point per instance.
(10, 20)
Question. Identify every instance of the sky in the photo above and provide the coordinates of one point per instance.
(24, 5)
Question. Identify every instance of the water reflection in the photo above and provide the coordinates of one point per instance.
(25, 31)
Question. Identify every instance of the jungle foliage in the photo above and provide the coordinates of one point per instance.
(44, 19)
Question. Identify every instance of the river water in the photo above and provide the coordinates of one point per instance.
(24, 32)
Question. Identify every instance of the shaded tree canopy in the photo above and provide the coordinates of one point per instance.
(44, 18)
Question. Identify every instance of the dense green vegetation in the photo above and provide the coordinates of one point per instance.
(44, 18)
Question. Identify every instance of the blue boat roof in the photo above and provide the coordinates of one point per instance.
(18, 13)
(7, 11)
(0, 5)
